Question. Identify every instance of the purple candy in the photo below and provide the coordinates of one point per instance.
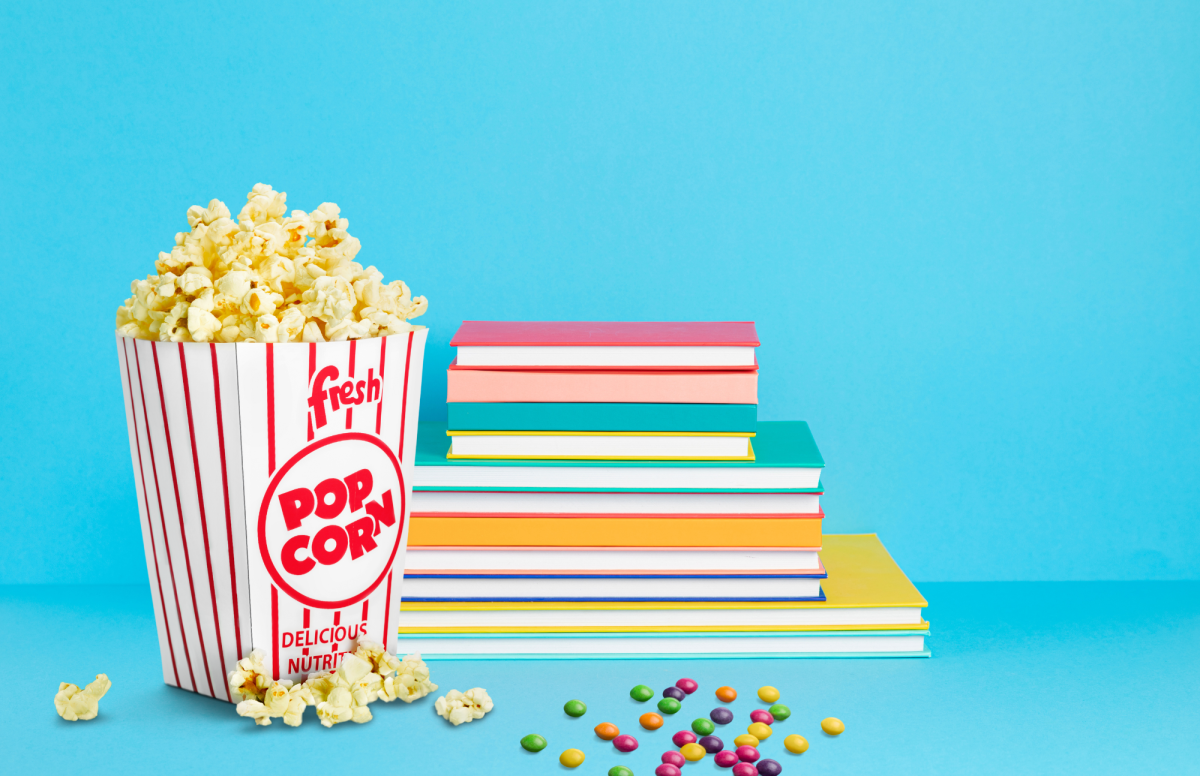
(721, 715)
(674, 758)
(625, 743)
(769, 768)
(744, 769)
(763, 716)
(666, 769)
(712, 744)
(684, 737)
(726, 759)
(674, 692)
(689, 686)
(747, 753)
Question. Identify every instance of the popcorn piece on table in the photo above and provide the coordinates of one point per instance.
(345, 694)
(74, 704)
(250, 680)
(459, 707)
(283, 699)
(410, 682)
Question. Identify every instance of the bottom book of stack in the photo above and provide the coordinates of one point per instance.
(867, 608)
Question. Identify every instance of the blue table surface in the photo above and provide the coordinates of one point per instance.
(1025, 678)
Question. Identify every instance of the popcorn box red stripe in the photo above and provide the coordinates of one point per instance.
(273, 515)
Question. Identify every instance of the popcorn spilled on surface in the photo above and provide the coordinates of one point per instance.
(265, 277)
(459, 707)
(74, 704)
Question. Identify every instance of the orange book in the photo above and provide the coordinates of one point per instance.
(483, 385)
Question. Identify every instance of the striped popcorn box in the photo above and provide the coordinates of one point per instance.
(273, 484)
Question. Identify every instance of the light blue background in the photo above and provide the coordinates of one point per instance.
(968, 234)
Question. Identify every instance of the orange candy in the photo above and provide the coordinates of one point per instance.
(650, 721)
(726, 694)
(607, 730)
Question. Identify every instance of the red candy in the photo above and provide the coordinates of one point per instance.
(747, 754)
(745, 769)
(726, 759)
(683, 737)
(666, 769)
(625, 743)
(674, 758)
(689, 686)
(763, 716)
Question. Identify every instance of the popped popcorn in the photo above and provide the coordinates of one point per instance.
(459, 707)
(250, 680)
(410, 682)
(266, 277)
(74, 704)
(282, 699)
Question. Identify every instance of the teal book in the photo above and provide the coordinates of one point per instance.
(786, 459)
(572, 416)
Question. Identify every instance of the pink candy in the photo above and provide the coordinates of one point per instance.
(689, 686)
(726, 759)
(666, 769)
(625, 743)
(683, 737)
(674, 758)
(745, 769)
(746, 754)
(763, 716)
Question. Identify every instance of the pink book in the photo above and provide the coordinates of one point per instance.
(480, 385)
(614, 345)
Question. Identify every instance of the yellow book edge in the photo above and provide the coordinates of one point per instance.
(424, 630)
(450, 454)
(605, 433)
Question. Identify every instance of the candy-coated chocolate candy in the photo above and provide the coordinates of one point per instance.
(759, 730)
(575, 708)
(650, 721)
(692, 752)
(625, 743)
(607, 730)
(726, 694)
(711, 744)
(683, 737)
(666, 769)
(833, 726)
(745, 739)
(674, 692)
(533, 743)
(765, 717)
(746, 754)
(769, 768)
(689, 686)
(721, 715)
(726, 759)
(745, 769)
(703, 726)
(779, 712)
(619, 770)
(796, 744)
(668, 706)
(641, 693)
(768, 694)
(572, 758)
(673, 758)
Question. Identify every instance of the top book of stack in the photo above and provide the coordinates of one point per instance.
(562, 345)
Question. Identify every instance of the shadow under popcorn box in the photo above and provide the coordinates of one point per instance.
(273, 484)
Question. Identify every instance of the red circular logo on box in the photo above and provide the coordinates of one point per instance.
(332, 519)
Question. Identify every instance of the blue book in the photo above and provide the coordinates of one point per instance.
(572, 416)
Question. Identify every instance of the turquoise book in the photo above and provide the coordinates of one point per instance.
(578, 416)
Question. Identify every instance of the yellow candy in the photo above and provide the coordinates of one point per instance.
(572, 758)
(692, 752)
(796, 744)
(745, 739)
(768, 694)
(761, 730)
(833, 726)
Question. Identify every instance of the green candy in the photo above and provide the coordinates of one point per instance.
(641, 693)
(619, 770)
(575, 708)
(533, 743)
(668, 706)
(703, 727)
(780, 712)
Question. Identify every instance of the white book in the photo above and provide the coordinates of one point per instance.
(620, 356)
(694, 617)
(616, 478)
(723, 645)
(599, 445)
(417, 587)
(637, 503)
(615, 560)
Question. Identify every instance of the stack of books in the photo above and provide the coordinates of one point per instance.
(606, 490)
